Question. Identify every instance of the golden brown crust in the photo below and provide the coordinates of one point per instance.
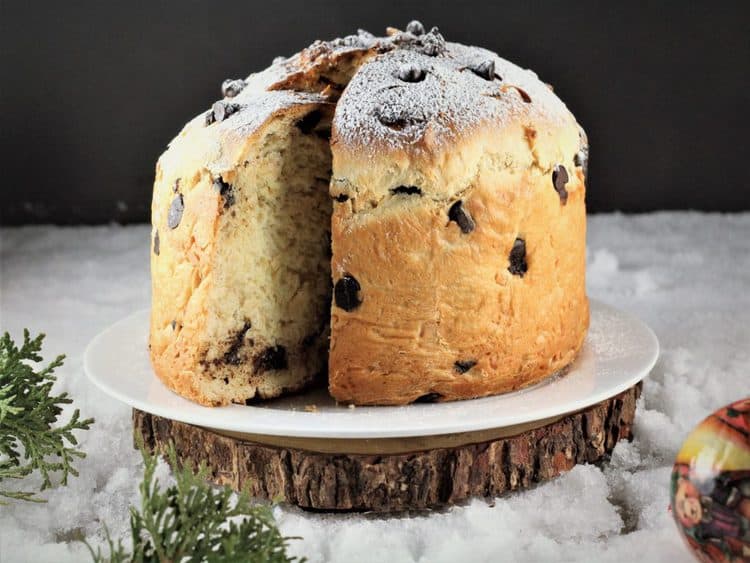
(433, 295)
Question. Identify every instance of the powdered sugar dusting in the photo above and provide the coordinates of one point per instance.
(216, 146)
(213, 140)
(379, 109)
(416, 85)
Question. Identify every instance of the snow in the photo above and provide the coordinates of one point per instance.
(686, 274)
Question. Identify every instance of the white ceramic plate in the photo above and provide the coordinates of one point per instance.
(618, 352)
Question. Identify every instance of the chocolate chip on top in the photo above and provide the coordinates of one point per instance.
(524, 95)
(400, 118)
(415, 28)
(406, 190)
(231, 87)
(485, 69)
(220, 111)
(411, 73)
(461, 217)
(518, 265)
(433, 43)
(346, 293)
(559, 179)
(175, 212)
(462, 366)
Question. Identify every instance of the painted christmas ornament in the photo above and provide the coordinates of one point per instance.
(710, 488)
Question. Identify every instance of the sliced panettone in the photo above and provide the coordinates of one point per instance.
(447, 262)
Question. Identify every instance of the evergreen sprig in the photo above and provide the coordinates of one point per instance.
(30, 439)
(193, 521)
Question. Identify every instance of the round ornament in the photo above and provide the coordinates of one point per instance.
(710, 488)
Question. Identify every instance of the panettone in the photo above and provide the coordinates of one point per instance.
(402, 213)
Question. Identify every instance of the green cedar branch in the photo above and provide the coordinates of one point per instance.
(30, 438)
(193, 521)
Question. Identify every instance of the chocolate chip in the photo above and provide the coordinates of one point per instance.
(176, 187)
(462, 218)
(518, 265)
(360, 40)
(398, 118)
(341, 198)
(156, 242)
(485, 69)
(225, 190)
(272, 358)
(410, 73)
(462, 366)
(428, 398)
(174, 324)
(220, 111)
(407, 190)
(229, 109)
(232, 355)
(231, 87)
(393, 122)
(415, 28)
(345, 292)
(433, 43)
(175, 212)
(559, 179)
(524, 96)
(308, 123)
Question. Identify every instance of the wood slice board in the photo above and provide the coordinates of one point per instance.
(387, 475)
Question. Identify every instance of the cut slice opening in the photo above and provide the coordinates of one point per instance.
(273, 271)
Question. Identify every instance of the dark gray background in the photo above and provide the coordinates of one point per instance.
(90, 93)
